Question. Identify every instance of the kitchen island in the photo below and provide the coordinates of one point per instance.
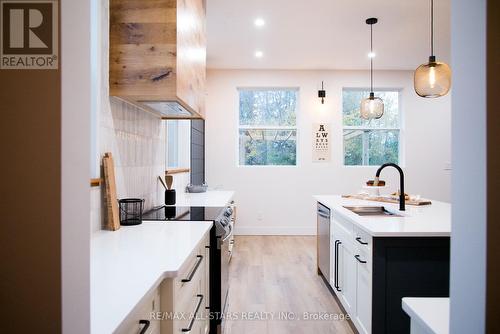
(372, 262)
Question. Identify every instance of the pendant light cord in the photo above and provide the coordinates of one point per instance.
(432, 27)
(371, 58)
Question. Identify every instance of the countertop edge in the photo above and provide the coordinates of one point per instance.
(415, 316)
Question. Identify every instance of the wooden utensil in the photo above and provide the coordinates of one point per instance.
(163, 183)
(112, 216)
(170, 180)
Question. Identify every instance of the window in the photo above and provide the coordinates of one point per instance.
(371, 142)
(268, 127)
(178, 148)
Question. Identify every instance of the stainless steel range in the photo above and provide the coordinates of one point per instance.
(221, 237)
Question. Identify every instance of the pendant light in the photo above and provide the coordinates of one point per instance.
(432, 79)
(372, 107)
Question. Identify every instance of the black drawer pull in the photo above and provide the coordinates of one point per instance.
(146, 324)
(190, 277)
(191, 322)
(336, 269)
(358, 239)
(359, 260)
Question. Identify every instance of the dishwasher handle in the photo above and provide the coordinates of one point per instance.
(322, 214)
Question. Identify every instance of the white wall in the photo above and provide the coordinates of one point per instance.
(75, 169)
(468, 238)
(278, 200)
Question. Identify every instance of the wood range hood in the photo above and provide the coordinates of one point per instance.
(157, 56)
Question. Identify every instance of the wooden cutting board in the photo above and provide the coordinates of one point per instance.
(112, 219)
(389, 200)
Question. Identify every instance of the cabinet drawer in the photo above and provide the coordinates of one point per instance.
(187, 283)
(187, 294)
(362, 239)
(341, 224)
(194, 308)
(143, 311)
(363, 258)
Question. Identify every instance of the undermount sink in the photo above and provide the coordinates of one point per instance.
(371, 211)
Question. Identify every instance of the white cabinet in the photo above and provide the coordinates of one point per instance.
(352, 271)
(184, 299)
(363, 312)
(347, 276)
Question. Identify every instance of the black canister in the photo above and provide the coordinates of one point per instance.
(170, 196)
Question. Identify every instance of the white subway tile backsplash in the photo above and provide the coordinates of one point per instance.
(137, 141)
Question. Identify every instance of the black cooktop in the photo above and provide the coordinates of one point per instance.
(167, 213)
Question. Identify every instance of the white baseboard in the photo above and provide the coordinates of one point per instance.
(274, 230)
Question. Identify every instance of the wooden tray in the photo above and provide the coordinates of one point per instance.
(389, 200)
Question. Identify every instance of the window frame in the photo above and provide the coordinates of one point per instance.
(268, 127)
(401, 155)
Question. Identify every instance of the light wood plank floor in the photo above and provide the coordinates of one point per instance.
(275, 275)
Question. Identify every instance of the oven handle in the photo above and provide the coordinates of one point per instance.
(229, 234)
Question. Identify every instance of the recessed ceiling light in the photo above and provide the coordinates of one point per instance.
(259, 22)
(371, 54)
(259, 54)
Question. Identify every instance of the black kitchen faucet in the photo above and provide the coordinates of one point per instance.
(401, 183)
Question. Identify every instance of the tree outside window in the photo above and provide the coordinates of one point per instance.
(268, 127)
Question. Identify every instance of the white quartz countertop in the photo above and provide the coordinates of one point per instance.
(209, 198)
(129, 263)
(427, 220)
(432, 314)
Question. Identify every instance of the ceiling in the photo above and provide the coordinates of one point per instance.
(324, 34)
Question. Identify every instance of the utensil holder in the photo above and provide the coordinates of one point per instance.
(169, 196)
(131, 211)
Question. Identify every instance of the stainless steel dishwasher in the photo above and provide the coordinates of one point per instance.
(324, 241)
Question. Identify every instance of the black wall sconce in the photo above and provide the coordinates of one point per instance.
(322, 93)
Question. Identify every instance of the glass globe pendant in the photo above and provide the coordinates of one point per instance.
(432, 79)
(372, 107)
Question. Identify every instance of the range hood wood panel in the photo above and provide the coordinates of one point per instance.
(158, 53)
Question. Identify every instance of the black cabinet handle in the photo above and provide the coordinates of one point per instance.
(359, 260)
(336, 269)
(146, 324)
(358, 239)
(190, 277)
(191, 322)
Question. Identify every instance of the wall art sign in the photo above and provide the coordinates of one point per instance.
(29, 34)
(321, 142)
